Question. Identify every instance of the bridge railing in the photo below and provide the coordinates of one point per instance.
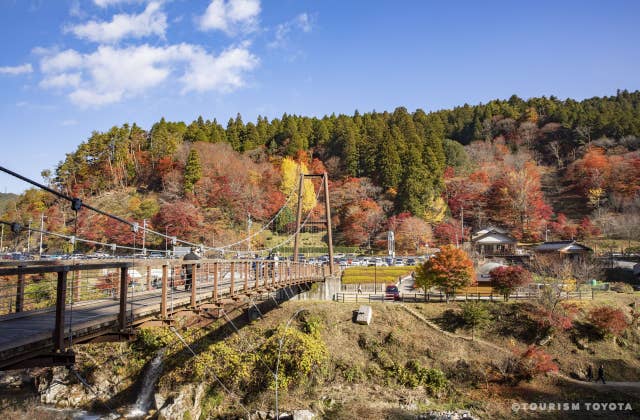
(23, 290)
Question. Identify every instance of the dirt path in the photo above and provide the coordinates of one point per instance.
(621, 386)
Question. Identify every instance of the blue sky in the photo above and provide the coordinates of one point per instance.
(71, 67)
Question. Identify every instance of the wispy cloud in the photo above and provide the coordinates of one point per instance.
(68, 123)
(231, 16)
(109, 74)
(107, 3)
(302, 22)
(152, 21)
(15, 70)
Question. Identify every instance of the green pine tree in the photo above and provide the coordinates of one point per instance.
(192, 171)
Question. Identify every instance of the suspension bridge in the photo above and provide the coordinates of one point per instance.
(48, 306)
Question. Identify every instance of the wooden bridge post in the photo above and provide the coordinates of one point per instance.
(233, 273)
(287, 268)
(20, 292)
(194, 284)
(327, 209)
(122, 315)
(163, 301)
(255, 271)
(148, 277)
(246, 275)
(263, 269)
(61, 301)
(273, 273)
(214, 293)
(296, 241)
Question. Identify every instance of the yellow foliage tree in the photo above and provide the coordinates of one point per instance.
(436, 211)
(291, 171)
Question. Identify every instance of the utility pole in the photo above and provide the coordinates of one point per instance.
(144, 235)
(461, 225)
(296, 238)
(29, 239)
(41, 229)
(249, 222)
(1, 237)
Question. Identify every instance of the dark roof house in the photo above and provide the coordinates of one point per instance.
(562, 247)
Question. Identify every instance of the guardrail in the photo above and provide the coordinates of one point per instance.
(442, 297)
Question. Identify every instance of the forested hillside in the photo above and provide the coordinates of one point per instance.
(416, 173)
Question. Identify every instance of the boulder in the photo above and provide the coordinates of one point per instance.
(582, 344)
(159, 400)
(189, 399)
(303, 415)
(364, 315)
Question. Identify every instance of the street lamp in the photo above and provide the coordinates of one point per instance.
(29, 238)
(281, 341)
(166, 240)
(42, 217)
(375, 277)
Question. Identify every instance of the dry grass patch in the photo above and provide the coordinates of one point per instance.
(363, 275)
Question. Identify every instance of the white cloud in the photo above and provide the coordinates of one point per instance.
(15, 70)
(231, 16)
(301, 22)
(110, 74)
(61, 81)
(68, 123)
(152, 21)
(107, 3)
(58, 62)
(223, 73)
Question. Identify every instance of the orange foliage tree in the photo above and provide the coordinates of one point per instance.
(516, 201)
(449, 269)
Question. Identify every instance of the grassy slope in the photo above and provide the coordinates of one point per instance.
(465, 363)
(361, 388)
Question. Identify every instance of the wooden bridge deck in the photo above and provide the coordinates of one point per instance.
(24, 335)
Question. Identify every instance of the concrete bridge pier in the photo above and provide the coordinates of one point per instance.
(322, 290)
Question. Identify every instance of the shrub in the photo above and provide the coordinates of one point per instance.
(413, 374)
(535, 361)
(621, 287)
(608, 321)
(507, 279)
(222, 361)
(560, 317)
(353, 374)
(150, 340)
(302, 354)
(475, 315)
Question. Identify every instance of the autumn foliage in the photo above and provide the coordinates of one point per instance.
(608, 321)
(558, 317)
(535, 361)
(507, 279)
(449, 269)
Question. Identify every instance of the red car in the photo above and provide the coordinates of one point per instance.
(392, 292)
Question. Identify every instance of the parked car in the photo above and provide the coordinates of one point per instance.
(392, 292)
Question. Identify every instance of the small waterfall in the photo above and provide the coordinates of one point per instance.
(143, 403)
